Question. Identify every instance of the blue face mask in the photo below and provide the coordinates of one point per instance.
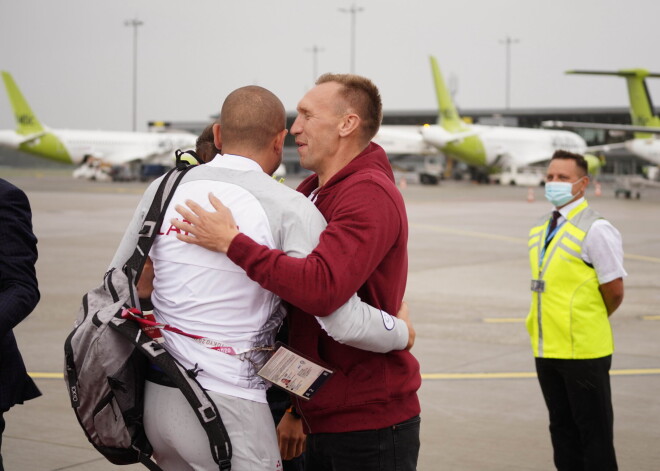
(559, 193)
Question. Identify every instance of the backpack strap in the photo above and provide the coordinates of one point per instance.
(203, 406)
(155, 216)
(201, 403)
(149, 463)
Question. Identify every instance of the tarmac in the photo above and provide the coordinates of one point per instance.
(468, 291)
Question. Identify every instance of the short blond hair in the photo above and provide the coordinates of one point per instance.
(363, 96)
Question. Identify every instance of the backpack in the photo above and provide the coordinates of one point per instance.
(107, 357)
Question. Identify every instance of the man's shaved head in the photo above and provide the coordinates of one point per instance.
(251, 117)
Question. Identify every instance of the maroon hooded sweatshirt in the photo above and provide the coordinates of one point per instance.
(363, 249)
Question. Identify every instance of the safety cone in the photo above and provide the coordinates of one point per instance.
(530, 195)
(598, 191)
(403, 184)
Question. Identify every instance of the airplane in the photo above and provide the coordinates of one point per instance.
(488, 148)
(644, 123)
(75, 146)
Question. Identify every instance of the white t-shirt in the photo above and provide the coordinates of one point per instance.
(204, 293)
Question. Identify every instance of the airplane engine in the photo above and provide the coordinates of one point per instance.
(437, 136)
(11, 139)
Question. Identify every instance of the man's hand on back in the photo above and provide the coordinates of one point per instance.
(213, 230)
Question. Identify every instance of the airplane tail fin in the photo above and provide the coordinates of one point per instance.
(448, 117)
(26, 122)
(642, 111)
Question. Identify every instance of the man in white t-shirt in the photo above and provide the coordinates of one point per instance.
(205, 294)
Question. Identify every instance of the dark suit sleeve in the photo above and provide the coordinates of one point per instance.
(19, 292)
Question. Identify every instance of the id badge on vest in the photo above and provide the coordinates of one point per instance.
(538, 286)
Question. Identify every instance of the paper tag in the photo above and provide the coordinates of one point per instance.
(153, 332)
(294, 373)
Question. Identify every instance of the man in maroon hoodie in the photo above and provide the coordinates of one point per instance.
(366, 417)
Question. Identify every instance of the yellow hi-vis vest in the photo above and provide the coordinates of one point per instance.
(568, 318)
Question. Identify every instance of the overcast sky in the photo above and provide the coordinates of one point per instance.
(73, 59)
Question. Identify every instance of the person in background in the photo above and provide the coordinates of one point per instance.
(205, 145)
(19, 295)
(576, 259)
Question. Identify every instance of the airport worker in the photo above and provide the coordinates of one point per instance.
(366, 417)
(576, 258)
(19, 295)
(204, 293)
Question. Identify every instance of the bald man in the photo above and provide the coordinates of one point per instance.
(204, 293)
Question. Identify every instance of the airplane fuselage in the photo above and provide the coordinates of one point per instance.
(524, 146)
(112, 147)
(481, 146)
(648, 149)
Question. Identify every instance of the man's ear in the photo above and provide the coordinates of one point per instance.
(349, 124)
(279, 141)
(217, 136)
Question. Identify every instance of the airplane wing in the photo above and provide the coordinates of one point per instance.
(403, 140)
(14, 140)
(606, 147)
(606, 126)
(426, 139)
(440, 137)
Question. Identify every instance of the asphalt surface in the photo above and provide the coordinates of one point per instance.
(468, 293)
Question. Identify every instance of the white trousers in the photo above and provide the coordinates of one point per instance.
(181, 444)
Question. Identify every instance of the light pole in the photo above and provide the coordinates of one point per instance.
(134, 23)
(508, 41)
(315, 52)
(353, 11)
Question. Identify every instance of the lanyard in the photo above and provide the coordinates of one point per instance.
(546, 241)
(213, 344)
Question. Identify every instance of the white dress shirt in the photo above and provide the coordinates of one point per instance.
(602, 246)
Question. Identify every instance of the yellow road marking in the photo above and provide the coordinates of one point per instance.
(480, 235)
(643, 258)
(651, 318)
(631, 372)
(485, 235)
(47, 375)
(510, 375)
(641, 371)
(477, 375)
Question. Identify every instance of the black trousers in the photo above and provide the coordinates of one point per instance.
(394, 448)
(2, 429)
(579, 400)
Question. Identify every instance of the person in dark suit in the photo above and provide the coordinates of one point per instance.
(19, 294)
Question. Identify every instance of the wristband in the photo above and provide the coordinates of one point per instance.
(292, 410)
